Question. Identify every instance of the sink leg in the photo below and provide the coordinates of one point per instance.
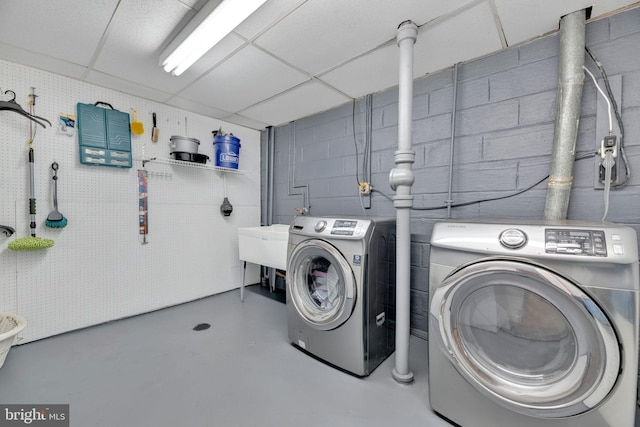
(272, 279)
(244, 271)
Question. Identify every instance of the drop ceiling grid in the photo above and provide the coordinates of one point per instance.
(44, 25)
(480, 37)
(301, 101)
(269, 13)
(245, 121)
(132, 46)
(517, 30)
(320, 35)
(189, 105)
(243, 80)
(130, 87)
(317, 36)
(219, 53)
(42, 62)
(369, 73)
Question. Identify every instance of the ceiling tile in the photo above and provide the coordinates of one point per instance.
(43, 62)
(290, 59)
(245, 121)
(269, 13)
(320, 35)
(542, 16)
(196, 107)
(304, 100)
(442, 43)
(53, 28)
(246, 78)
(133, 47)
(196, 4)
(111, 82)
(372, 72)
(602, 7)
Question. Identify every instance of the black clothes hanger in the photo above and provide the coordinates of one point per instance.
(7, 230)
(12, 105)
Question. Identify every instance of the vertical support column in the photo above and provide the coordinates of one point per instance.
(401, 179)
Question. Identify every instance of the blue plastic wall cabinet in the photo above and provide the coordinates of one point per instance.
(104, 136)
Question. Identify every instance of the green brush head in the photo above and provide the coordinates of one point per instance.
(30, 244)
(57, 224)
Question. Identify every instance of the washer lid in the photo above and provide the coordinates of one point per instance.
(526, 337)
(321, 284)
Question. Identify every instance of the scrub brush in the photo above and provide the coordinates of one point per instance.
(55, 218)
(31, 243)
(137, 128)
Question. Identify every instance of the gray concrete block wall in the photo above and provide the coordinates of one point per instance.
(505, 116)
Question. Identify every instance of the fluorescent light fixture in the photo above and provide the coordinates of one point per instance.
(215, 26)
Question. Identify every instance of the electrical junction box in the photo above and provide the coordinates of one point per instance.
(104, 136)
(602, 131)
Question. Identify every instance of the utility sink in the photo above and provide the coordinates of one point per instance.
(265, 245)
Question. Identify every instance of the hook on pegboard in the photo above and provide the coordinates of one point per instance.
(33, 96)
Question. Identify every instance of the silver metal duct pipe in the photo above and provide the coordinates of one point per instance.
(401, 179)
(569, 98)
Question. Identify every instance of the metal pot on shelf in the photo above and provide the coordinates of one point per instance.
(186, 149)
(183, 144)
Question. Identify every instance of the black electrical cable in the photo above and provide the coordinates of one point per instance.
(365, 154)
(355, 141)
(617, 114)
(473, 202)
(491, 199)
(366, 161)
(386, 196)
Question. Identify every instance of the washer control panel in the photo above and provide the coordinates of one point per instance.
(344, 227)
(335, 228)
(575, 242)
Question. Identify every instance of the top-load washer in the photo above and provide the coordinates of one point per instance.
(340, 290)
(533, 324)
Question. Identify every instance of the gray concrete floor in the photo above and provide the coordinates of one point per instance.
(154, 370)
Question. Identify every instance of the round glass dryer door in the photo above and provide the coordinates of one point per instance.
(321, 284)
(527, 338)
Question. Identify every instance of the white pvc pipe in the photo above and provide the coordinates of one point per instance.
(401, 179)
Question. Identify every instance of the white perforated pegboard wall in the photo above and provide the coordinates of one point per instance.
(98, 269)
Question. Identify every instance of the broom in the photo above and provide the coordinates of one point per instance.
(33, 242)
(55, 218)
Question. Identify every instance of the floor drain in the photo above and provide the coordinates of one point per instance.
(201, 327)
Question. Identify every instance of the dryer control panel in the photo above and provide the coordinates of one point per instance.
(575, 242)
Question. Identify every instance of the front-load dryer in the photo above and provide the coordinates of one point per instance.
(340, 290)
(533, 324)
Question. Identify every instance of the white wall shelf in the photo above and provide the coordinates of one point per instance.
(166, 161)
